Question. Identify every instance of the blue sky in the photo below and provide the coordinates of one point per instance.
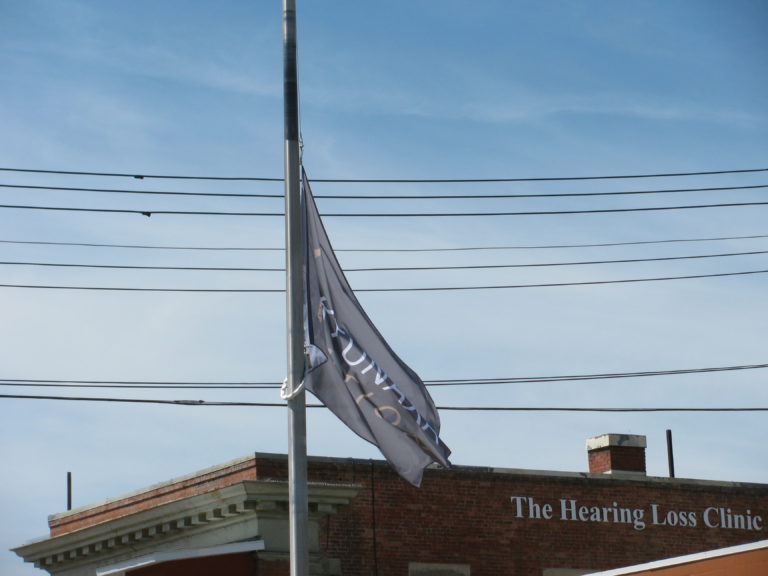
(389, 90)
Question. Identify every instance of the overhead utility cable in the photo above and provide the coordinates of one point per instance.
(383, 197)
(383, 181)
(548, 264)
(461, 408)
(136, 385)
(415, 289)
(152, 247)
(380, 269)
(579, 377)
(561, 284)
(442, 382)
(381, 214)
(147, 386)
(453, 249)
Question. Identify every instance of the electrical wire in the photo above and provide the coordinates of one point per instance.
(415, 289)
(384, 197)
(143, 176)
(142, 386)
(149, 213)
(579, 377)
(457, 408)
(129, 289)
(146, 213)
(149, 247)
(548, 264)
(578, 409)
(394, 250)
(139, 176)
(381, 269)
(146, 192)
(137, 267)
(29, 382)
(560, 284)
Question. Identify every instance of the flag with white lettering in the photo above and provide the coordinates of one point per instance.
(353, 371)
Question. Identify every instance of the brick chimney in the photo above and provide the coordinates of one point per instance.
(617, 454)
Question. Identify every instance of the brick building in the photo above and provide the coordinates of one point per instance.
(364, 520)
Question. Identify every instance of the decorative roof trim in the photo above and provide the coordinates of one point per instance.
(155, 487)
(172, 520)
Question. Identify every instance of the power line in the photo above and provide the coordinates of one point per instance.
(146, 192)
(539, 212)
(577, 409)
(144, 386)
(454, 249)
(560, 284)
(150, 247)
(151, 383)
(457, 408)
(382, 214)
(143, 176)
(381, 269)
(146, 213)
(547, 264)
(138, 267)
(579, 377)
(382, 197)
(415, 289)
(30, 382)
(140, 176)
(149, 401)
(129, 289)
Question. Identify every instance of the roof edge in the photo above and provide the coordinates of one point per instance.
(460, 468)
(687, 559)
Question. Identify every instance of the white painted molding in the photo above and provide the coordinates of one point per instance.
(177, 524)
(608, 440)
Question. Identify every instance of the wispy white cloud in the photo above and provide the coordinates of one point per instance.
(500, 102)
(620, 105)
(206, 71)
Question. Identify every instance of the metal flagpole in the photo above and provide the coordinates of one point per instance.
(297, 423)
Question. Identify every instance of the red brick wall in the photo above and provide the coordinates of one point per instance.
(627, 458)
(229, 565)
(272, 568)
(148, 499)
(466, 516)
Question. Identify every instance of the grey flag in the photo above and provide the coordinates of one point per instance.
(352, 369)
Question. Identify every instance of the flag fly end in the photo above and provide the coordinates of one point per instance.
(352, 369)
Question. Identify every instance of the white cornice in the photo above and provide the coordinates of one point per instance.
(154, 487)
(171, 521)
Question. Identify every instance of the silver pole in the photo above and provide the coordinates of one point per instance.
(297, 422)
